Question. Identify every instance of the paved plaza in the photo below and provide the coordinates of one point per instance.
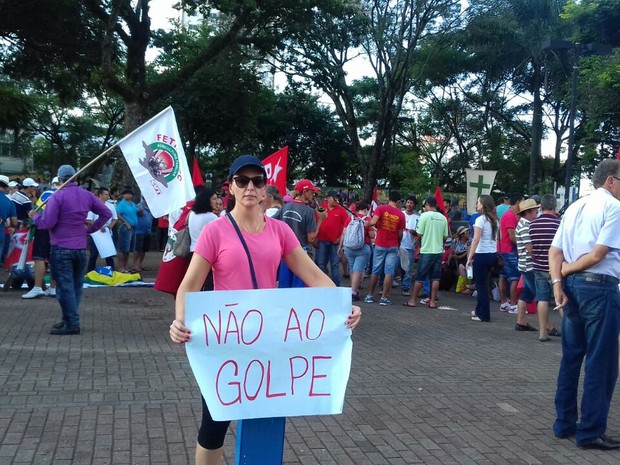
(427, 386)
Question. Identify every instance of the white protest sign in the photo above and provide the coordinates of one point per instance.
(272, 352)
(104, 243)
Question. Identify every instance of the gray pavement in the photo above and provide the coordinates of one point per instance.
(428, 386)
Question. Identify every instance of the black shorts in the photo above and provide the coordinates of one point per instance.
(41, 247)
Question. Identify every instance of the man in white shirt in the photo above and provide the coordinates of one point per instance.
(103, 194)
(584, 264)
(409, 238)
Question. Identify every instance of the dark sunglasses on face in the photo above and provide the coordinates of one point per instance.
(243, 181)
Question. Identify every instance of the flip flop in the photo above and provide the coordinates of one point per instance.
(406, 304)
(432, 306)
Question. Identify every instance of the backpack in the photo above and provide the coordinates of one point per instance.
(354, 234)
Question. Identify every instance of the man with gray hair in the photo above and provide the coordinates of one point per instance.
(65, 218)
(542, 231)
(584, 263)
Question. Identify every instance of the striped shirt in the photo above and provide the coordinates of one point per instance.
(522, 233)
(542, 231)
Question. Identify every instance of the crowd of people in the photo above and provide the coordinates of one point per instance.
(519, 250)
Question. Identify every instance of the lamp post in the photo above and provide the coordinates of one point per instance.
(578, 50)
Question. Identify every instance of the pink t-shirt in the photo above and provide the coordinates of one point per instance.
(219, 244)
(509, 221)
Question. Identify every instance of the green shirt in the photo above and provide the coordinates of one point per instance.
(433, 227)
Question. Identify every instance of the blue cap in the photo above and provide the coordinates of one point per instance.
(243, 162)
(66, 171)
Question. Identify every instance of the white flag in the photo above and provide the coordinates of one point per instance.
(156, 158)
(478, 183)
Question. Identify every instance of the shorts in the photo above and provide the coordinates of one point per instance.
(429, 266)
(357, 259)
(511, 267)
(41, 246)
(143, 242)
(385, 260)
(126, 239)
(529, 287)
(543, 286)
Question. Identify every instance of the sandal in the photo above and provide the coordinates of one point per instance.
(407, 304)
(554, 332)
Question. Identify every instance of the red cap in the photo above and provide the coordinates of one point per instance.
(305, 185)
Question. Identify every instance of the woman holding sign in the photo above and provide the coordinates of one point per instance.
(220, 249)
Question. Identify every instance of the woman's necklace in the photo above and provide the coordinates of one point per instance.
(258, 224)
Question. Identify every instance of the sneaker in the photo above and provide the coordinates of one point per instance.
(385, 301)
(475, 318)
(34, 293)
(473, 313)
(355, 296)
(474, 294)
(504, 307)
(405, 292)
(513, 310)
(51, 292)
(425, 301)
(368, 299)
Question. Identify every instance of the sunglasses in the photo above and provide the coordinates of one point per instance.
(243, 181)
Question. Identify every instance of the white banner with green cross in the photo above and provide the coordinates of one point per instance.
(479, 182)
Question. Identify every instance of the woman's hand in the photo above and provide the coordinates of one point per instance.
(354, 317)
(178, 332)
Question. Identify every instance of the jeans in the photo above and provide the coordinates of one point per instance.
(429, 267)
(3, 238)
(590, 330)
(511, 267)
(385, 260)
(408, 276)
(328, 254)
(482, 267)
(94, 253)
(357, 259)
(68, 266)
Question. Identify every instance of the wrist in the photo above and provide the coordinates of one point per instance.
(556, 281)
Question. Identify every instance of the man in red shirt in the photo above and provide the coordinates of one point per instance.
(390, 223)
(329, 234)
(509, 276)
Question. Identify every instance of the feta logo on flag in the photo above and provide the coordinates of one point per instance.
(161, 160)
(155, 155)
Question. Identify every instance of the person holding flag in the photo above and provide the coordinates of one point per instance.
(64, 217)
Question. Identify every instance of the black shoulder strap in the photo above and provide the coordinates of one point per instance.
(245, 247)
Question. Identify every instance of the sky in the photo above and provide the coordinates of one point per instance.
(161, 13)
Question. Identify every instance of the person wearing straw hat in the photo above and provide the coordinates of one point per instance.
(528, 210)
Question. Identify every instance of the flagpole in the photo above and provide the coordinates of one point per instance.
(102, 154)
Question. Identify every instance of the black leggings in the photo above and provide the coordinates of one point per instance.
(212, 433)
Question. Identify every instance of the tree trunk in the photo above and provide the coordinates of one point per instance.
(136, 113)
(537, 129)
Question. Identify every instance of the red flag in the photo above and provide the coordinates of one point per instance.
(196, 175)
(439, 197)
(618, 156)
(172, 268)
(375, 201)
(276, 166)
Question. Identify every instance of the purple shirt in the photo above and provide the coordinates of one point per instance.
(65, 216)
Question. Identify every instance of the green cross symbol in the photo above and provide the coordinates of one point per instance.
(479, 185)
